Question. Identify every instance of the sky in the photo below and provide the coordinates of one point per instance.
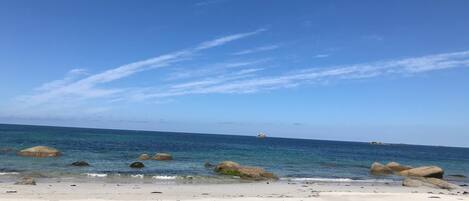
(391, 71)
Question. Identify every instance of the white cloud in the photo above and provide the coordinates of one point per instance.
(79, 89)
(314, 75)
(71, 76)
(64, 93)
(257, 49)
(321, 55)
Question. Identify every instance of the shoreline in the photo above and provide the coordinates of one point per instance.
(294, 191)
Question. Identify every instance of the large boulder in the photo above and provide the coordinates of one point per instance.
(226, 166)
(428, 182)
(252, 173)
(137, 165)
(26, 181)
(396, 167)
(144, 157)
(425, 171)
(380, 169)
(163, 157)
(80, 164)
(40, 151)
(255, 173)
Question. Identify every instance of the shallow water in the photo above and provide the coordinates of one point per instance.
(111, 151)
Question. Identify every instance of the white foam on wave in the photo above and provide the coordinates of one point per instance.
(140, 176)
(95, 175)
(164, 177)
(8, 173)
(335, 179)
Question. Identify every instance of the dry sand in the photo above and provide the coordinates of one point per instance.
(233, 192)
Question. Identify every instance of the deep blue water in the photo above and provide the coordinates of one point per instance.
(111, 151)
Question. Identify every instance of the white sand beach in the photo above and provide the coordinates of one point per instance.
(233, 192)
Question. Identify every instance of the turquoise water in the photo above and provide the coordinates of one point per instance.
(111, 151)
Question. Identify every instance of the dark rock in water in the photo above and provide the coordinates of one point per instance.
(380, 169)
(11, 192)
(163, 157)
(463, 185)
(26, 181)
(425, 171)
(80, 164)
(4, 150)
(457, 175)
(208, 165)
(137, 165)
(40, 152)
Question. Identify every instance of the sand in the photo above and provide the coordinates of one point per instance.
(233, 192)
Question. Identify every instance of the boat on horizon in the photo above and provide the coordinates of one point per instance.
(261, 135)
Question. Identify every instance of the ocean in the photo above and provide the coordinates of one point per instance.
(111, 151)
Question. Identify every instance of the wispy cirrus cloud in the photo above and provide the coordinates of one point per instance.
(321, 56)
(80, 89)
(89, 87)
(257, 49)
(213, 69)
(233, 84)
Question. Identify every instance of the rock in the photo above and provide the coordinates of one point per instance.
(429, 182)
(226, 166)
(410, 182)
(425, 171)
(137, 165)
(396, 167)
(163, 157)
(252, 173)
(457, 175)
(80, 164)
(380, 169)
(144, 157)
(40, 151)
(208, 165)
(5, 150)
(26, 181)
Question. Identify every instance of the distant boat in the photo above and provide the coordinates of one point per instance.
(376, 143)
(261, 135)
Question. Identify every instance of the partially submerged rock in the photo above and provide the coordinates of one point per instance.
(40, 152)
(163, 157)
(380, 169)
(144, 157)
(208, 165)
(227, 166)
(137, 165)
(457, 175)
(428, 182)
(396, 167)
(80, 164)
(26, 181)
(252, 173)
(6, 150)
(425, 171)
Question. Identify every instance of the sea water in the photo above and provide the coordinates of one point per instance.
(111, 151)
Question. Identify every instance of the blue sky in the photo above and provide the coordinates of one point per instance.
(392, 71)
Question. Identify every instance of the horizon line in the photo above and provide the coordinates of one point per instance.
(227, 134)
